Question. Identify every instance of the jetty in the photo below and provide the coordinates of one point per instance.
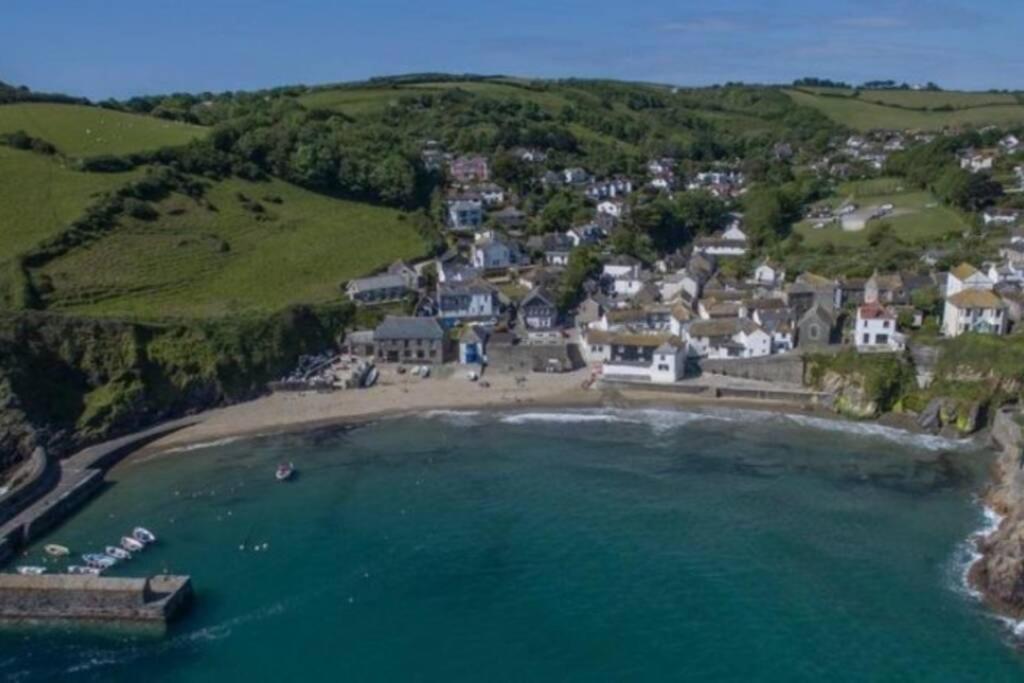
(155, 599)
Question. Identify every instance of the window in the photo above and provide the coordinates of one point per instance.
(866, 338)
(663, 368)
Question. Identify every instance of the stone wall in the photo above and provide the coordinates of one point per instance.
(62, 596)
(784, 367)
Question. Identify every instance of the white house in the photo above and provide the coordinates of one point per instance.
(974, 310)
(964, 277)
(588, 233)
(971, 305)
(491, 194)
(493, 253)
(612, 207)
(465, 215)
(728, 338)
(1010, 143)
(466, 301)
(975, 162)
(679, 284)
(875, 329)
(655, 358)
(574, 176)
(608, 189)
(768, 274)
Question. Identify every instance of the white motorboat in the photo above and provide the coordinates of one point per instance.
(132, 545)
(117, 553)
(99, 560)
(81, 569)
(143, 535)
(54, 550)
(284, 471)
(30, 570)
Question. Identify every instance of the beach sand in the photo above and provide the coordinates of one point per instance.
(397, 394)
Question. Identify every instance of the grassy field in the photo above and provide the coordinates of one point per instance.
(918, 216)
(194, 261)
(366, 100)
(39, 196)
(861, 114)
(87, 131)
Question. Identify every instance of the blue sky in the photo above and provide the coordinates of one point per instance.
(101, 48)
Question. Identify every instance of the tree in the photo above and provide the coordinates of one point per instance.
(967, 191)
(583, 264)
(764, 216)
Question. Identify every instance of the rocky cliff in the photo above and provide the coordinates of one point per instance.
(66, 382)
(999, 574)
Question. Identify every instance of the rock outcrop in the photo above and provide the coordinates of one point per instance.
(999, 574)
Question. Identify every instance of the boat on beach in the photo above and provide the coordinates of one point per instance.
(30, 570)
(99, 560)
(55, 550)
(131, 545)
(117, 553)
(284, 471)
(143, 535)
(81, 569)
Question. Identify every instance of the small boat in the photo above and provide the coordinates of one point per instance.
(117, 553)
(54, 550)
(99, 560)
(30, 570)
(143, 535)
(131, 545)
(284, 471)
(425, 371)
(81, 569)
(371, 378)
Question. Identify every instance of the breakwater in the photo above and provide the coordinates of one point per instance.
(93, 598)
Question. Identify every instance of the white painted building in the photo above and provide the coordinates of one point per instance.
(655, 358)
(875, 329)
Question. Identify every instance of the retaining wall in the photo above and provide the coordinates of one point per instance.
(783, 367)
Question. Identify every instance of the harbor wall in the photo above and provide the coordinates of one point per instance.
(36, 476)
(157, 598)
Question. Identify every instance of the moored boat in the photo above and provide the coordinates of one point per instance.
(30, 570)
(55, 550)
(81, 569)
(143, 535)
(131, 545)
(117, 553)
(284, 471)
(99, 560)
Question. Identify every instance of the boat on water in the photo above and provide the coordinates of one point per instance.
(55, 550)
(81, 569)
(99, 560)
(30, 570)
(284, 471)
(143, 535)
(117, 553)
(132, 545)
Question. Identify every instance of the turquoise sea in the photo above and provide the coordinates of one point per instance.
(567, 545)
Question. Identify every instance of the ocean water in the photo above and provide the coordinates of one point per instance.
(549, 546)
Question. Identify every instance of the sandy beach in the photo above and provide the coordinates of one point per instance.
(397, 394)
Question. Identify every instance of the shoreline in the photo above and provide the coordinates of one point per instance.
(288, 413)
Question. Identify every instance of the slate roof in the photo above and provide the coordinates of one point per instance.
(408, 327)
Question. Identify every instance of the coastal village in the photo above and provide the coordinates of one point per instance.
(501, 297)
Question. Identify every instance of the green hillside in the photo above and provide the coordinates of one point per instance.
(78, 130)
(918, 217)
(362, 100)
(40, 195)
(864, 112)
(246, 247)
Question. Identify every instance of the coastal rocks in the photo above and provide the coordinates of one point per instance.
(850, 398)
(952, 417)
(999, 573)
